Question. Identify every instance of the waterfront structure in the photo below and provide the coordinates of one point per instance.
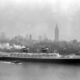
(56, 33)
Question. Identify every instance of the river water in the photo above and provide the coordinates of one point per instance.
(38, 71)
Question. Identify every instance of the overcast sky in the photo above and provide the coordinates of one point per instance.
(39, 17)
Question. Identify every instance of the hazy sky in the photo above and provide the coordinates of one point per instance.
(39, 17)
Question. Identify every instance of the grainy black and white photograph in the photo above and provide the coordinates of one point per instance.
(39, 39)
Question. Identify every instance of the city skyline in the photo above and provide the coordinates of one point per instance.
(37, 17)
(30, 37)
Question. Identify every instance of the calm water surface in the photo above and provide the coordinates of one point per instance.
(38, 71)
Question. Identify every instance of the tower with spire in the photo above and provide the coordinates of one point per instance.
(56, 33)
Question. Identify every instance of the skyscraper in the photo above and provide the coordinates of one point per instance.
(30, 37)
(56, 33)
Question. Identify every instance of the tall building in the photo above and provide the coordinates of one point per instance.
(56, 33)
(30, 37)
(3, 36)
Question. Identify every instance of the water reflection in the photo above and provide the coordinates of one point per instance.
(38, 71)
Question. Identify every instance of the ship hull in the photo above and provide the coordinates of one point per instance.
(41, 60)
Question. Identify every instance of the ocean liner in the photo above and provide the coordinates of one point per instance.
(39, 57)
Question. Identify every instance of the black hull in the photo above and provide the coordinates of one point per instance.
(58, 61)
